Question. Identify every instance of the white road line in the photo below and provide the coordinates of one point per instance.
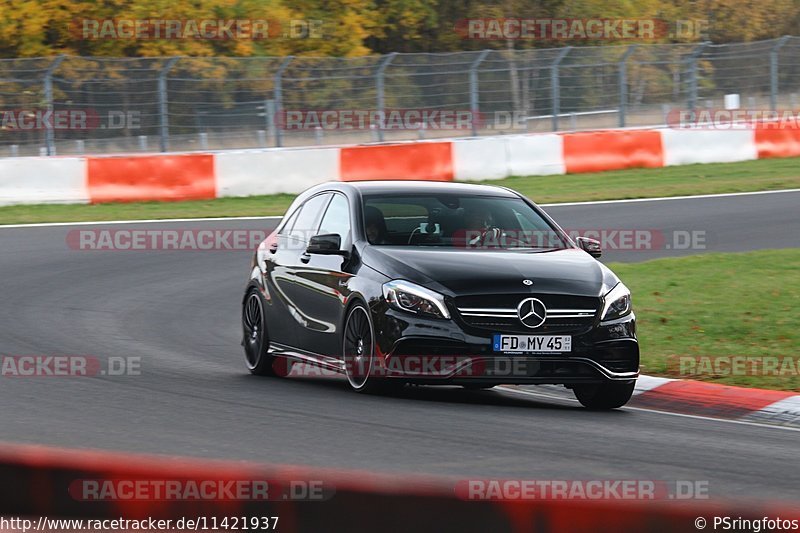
(273, 217)
(628, 408)
(665, 198)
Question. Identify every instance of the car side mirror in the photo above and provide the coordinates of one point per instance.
(590, 246)
(327, 244)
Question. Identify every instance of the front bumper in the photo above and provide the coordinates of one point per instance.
(426, 350)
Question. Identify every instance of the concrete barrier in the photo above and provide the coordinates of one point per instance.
(176, 176)
(43, 180)
(249, 172)
(686, 147)
(612, 150)
(151, 177)
(431, 161)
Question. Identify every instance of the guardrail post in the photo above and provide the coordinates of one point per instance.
(163, 107)
(623, 83)
(278, 97)
(269, 118)
(773, 72)
(555, 90)
(692, 60)
(474, 95)
(50, 136)
(379, 92)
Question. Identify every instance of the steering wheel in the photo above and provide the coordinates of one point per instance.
(495, 237)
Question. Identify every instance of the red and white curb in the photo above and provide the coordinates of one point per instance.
(717, 401)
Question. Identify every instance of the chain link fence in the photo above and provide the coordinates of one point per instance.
(74, 105)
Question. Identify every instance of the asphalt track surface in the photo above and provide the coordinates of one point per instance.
(178, 312)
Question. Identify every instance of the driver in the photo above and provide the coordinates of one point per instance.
(478, 219)
(480, 228)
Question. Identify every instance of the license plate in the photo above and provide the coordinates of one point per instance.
(532, 343)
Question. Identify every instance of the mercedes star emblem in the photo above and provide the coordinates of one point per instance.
(532, 312)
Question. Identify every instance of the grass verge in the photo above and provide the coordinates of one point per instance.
(737, 304)
(762, 175)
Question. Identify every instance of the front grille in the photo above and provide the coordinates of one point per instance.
(498, 313)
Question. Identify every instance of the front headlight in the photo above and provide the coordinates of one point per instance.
(413, 298)
(617, 303)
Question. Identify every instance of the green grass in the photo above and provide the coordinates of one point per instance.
(766, 174)
(714, 178)
(742, 304)
(221, 207)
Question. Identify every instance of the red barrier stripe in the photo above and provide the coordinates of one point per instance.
(612, 150)
(157, 177)
(432, 161)
(707, 399)
(777, 142)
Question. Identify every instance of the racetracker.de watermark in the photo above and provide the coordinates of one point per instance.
(34, 119)
(200, 489)
(734, 119)
(421, 367)
(733, 365)
(187, 239)
(617, 239)
(200, 29)
(571, 29)
(406, 119)
(388, 119)
(43, 365)
(597, 489)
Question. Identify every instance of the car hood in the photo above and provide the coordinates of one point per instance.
(458, 272)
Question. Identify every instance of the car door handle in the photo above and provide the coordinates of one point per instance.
(305, 258)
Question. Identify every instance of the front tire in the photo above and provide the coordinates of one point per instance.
(358, 353)
(604, 396)
(255, 338)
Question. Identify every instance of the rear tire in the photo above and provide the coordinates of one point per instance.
(358, 353)
(604, 396)
(255, 339)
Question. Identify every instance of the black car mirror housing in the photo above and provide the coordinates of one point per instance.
(326, 244)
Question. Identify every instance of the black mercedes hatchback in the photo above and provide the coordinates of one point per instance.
(397, 282)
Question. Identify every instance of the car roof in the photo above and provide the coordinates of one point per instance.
(420, 187)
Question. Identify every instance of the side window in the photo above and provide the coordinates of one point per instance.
(290, 223)
(337, 218)
(308, 220)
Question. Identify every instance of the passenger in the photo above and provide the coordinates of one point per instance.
(375, 225)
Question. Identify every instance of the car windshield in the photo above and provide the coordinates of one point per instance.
(457, 221)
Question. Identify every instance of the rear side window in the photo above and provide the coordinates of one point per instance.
(289, 223)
